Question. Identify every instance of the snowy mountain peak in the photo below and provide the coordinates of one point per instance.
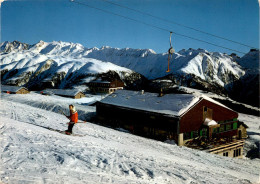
(54, 64)
(11, 46)
(209, 66)
(41, 42)
(250, 60)
(57, 48)
(105, 47)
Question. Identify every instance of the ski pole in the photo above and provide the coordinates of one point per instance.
(63, 113)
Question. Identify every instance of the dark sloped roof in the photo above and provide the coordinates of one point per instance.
(100, 82)
(62, 92)
(242, 123)
(12, 89)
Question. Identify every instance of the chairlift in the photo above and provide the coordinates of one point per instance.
(170, 52)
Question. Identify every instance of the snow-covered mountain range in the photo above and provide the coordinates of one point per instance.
(64, 64)
(246, 89)
(56, 64)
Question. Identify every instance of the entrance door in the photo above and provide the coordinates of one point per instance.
(239, 134)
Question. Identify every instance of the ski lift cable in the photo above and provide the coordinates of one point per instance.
(176, 23)
(154, 26)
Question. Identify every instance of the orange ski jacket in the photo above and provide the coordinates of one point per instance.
(73, 117)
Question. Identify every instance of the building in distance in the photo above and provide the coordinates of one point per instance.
(69, 93)
(99, 86)
(14, 89)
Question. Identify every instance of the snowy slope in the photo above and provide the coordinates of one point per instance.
(211, 67)
(57, 104)
(31, 153)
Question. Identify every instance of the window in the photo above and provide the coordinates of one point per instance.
(215, 130)
(187, 135)
(237, 152)
(228, 127)
(207, 113)
(203, 132)
(225, 154)
(222, 128)
(195, 133)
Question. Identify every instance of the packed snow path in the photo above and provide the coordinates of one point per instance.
(32, 154)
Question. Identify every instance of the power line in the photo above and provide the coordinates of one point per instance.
(176, 23)
(154, 26)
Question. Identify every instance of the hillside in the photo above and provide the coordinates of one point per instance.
(40, 68)
(71, 65)
(246, 89)
(30, 153)
(211, 67)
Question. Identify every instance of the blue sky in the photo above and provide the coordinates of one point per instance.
(30, 21)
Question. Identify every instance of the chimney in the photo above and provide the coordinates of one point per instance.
(142, 92)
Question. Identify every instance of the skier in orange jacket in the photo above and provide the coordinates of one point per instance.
(73, 117)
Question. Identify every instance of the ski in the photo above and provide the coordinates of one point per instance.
(64, 132)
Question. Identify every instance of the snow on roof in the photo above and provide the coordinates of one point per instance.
(209, 122)
(64, 92)
(214, 101)
(13, 89)
(170, 104)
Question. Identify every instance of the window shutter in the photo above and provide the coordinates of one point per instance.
(235, 126)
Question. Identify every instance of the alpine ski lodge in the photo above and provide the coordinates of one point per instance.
(14, 89)
(69, 93)
(194, 121)
(99, 86)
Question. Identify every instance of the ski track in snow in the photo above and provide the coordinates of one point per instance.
(32, 154)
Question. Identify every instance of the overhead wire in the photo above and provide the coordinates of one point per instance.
(154, 26)
(176, 23)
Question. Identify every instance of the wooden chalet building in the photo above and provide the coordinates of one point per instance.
(242, 133)
(14, 89)
(194, 121)
(99, 86)
(69, 93)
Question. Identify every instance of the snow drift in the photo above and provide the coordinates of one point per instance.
(31, 153)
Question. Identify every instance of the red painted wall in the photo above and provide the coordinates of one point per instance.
(193, 119)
